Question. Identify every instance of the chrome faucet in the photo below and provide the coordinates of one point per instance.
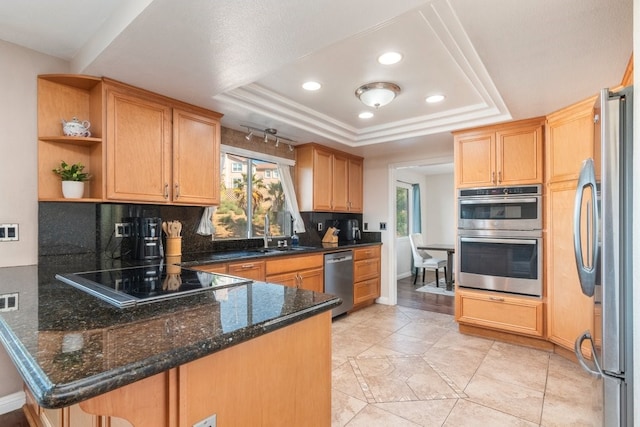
(267, 235)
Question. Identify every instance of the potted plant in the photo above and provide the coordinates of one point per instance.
(73, 179)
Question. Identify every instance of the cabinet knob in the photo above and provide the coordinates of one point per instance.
(166, 190)
(499, 176)
(493, 177)
(177, 190)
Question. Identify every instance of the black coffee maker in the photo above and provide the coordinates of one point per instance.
(146, 238)
(349, 230)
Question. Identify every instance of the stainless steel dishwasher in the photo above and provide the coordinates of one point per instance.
(338, 279)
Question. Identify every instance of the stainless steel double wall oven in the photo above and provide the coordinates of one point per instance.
(500, 239)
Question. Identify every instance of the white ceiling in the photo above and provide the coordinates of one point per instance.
(494, 60)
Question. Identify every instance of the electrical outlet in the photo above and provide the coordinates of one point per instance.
(366, 226)
(319, 226)
(207, 422)
(122, 229)
(383, 226)
(8, 232)
(9, 302)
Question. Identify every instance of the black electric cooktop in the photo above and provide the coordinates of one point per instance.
(127, 287)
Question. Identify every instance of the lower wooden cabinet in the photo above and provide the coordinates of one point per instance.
(366, 275)
(254, 270)
(305, 272)
(513, 314)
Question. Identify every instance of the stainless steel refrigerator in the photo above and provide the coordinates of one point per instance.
(602, 241)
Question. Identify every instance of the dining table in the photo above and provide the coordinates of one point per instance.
(450, 249)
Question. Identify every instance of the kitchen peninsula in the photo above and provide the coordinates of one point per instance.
(252, 354)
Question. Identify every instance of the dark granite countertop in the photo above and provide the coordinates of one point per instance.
(70, 346)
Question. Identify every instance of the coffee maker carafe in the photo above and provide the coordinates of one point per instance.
(146, 238)
(349, 230)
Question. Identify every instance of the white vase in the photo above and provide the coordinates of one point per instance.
(72, 189)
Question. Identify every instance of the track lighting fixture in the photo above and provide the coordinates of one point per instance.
(269, 134)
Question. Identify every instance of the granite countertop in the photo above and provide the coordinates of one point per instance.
(70, 346)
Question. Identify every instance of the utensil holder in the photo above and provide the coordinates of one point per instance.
(174, 246)
(173, 264)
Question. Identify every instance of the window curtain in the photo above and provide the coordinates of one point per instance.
(290, 197)
(416, 214)
(207, 227)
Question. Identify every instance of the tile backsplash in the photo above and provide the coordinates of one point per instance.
(77, 228)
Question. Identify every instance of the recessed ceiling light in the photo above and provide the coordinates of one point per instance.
(311, 86)
(434, 98)
(365, 115)
(390, 58)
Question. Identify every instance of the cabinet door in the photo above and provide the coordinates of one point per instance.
(138, 148)
(569, 141)
(569, 311)
(212, 268)
(366, 290)
(254, 270)
(340, 193)
(196, 158)
(287, 279)
(355, 185)
(519, 156)
(322, 180)
(475, 159)
(312, 280)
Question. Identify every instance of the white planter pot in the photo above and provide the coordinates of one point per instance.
(72, 189)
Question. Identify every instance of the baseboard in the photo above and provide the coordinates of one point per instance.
(383, 300)
(403, 275)
(11, 402)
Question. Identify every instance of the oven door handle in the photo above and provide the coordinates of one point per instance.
(485, 240)
(498, 201)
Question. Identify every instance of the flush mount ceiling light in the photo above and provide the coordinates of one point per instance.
(377, 94)
(434, 98)
(311, 86)
(390, 58)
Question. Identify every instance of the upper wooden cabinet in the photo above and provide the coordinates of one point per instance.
(328, 180)
(501, 155)
(144, 147)
(569, 141)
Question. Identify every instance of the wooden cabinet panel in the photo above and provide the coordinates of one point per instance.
(287, 264)
(519, 153)
(322, 180)
(366, 269)
(519, 315)
(340, 183)
(328, 180)
(356, 202)
(569, 311)
(254, 270)
(138, 149)
(212, 268)
(570, 140)
(509, 154)
(366, 290)
(366, 253)
(196, 156)
(475, 159)
(306, 272)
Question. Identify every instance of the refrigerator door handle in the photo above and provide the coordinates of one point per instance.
(587, 271)
(597, 372)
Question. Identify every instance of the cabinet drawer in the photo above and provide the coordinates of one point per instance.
(254, 270)
(287, 264)
(366, 269)
(511, 314)
(366, 253)
(212, 268)
(366, 290)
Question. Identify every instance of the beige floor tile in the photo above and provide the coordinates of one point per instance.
(522, 366)
(405, 344)
(344, 407)
(432, 413)
(559, 411)
(516, 400)
(429, 332)
(470, 414)
(364, 333)
(344, 380)
(371, 416)
(345, 346)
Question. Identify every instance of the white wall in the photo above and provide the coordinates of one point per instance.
(379, 199)
(19, 167)
(18, 145)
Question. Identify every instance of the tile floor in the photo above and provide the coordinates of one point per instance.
(399, 366)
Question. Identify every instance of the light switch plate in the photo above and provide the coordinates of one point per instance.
(9, 232)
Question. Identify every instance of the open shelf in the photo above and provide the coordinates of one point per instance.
(75, 140)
